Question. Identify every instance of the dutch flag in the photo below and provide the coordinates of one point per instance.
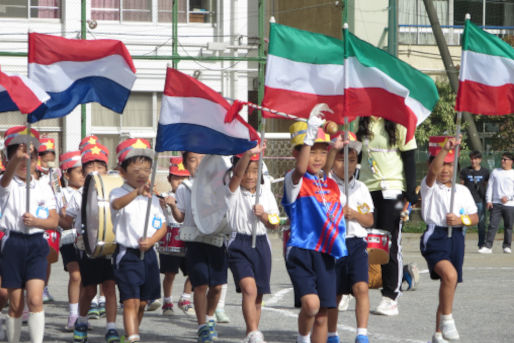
(193, 119)
(19, 93)
(74, 72)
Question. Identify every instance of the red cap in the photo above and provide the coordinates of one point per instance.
(436, 143)
(177, 167)
(19, 134)
(88, 140)
(255, 157)
(46, 144)
(133, 147)
(94, 152)
(70, 160)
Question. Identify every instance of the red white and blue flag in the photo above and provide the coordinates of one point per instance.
(193, 119)
(74, 72)
(19, 93)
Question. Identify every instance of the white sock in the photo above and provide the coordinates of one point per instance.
(110, 326)
(101, 299)
(74, 309)
(303, 339)
(37, 326)
(94, 301)
(186, 296)
(13, 329)
(168, 300)
(133, 338)
(362, 331)
(82, 320)
(446, 317)
(223, 295)
(332, 334)
(209, 318)
(438, 335)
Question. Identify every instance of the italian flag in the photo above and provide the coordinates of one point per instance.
(379, 84)
(486, 81)
(303, 69)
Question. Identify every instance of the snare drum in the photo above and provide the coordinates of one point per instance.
(53, 238)
(170, 244)
(379, 242)
(96, 214)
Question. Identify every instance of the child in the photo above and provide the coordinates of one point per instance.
(93, 271)
(314, 205)
(24, 249)
(444, 255)
(71, 167)
(170, 264)
(206, 263)
(251, 267)
(352, 270)
(137, 277)
(46, 152)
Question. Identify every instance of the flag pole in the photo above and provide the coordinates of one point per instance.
(28, 175)
(455, 168)
(258, 187)
(149, 203)
(345, 111)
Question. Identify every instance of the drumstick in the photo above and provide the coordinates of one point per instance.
(404, 215)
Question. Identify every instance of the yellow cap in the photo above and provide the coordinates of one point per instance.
(299, 129)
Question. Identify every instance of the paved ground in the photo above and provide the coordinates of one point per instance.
(484, 306)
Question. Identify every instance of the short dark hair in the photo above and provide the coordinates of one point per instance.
(509, 155)
(43, 153)
(475, 154)
(124, 165)
(85, 165)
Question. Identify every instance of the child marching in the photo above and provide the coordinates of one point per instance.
(444, 254)
(137, 278)
(251, 267)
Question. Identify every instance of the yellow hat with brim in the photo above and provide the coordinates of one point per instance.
(298, 131)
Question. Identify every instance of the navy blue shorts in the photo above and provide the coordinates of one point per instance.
(354, 267)
(244, 261)
(136, 278)
(436, 246)
(172, 264)
(94, 271)
(312, 272)
(69, 254)
(23, 258)
(206, 264)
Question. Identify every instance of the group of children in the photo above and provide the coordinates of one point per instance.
(326, 255)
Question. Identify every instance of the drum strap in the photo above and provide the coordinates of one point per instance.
(191, 234)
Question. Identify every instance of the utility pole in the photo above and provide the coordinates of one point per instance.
(451, 71)
(392, 28)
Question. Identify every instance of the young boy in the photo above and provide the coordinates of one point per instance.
(24, 250)
(352, 270)
(444, 254)
(135, 263)
(500, 201)
(94, 158)
(206, 263)
(170, 264)
(71, 167)
(314, 205)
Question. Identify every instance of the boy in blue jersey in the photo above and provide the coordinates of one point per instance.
(314, 205)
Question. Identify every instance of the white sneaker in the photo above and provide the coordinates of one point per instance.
(345, 302)
(254, 337)
(387, 307)
(485, 250)
(449, 330)
(507, 250)
(3, 334)
(438, 338)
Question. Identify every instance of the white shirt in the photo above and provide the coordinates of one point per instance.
(435, 202)
(183, 197)
(240, 214)
(360, 200)
(170, 220)
(74, 207)
(13, 199)
(292, 190)
(128, 223)
(501, 184)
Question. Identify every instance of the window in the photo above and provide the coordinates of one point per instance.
(497, 12)
(127, 10)
(30, 9)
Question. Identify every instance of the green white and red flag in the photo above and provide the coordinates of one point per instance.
(303, 69)
(379, 84)
(486, 80)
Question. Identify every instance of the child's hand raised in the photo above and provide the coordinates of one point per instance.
(338, 143)
(451, 143)
(144, 190)
(258, 148)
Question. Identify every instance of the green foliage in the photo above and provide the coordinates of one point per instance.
(503, 140)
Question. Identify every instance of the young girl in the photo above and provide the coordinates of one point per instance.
(251, 267)
(444, 253)
(71, 167)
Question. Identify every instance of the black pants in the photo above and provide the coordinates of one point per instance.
(387, 217)
(498, 212)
